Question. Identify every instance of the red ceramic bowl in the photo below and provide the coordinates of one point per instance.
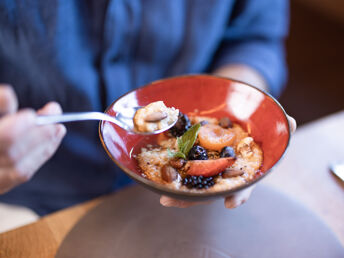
(258, 112)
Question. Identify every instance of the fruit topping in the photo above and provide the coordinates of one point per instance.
(225, 122)
(168, 173)
(198, 182)
(214, 137)
(197, 153)
(227, 152)
(181, 126)
(208, 167)
(232, 172)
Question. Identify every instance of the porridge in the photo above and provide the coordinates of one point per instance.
(202, 154)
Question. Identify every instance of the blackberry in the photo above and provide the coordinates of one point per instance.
(197, 153)
(181, 126)
(198, 182)
(227, 152)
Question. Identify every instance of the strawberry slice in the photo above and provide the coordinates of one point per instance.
(208, 168)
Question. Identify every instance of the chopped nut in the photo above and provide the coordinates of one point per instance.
(232, 172)
(168, 173)
(177, 163)
(213, 154)
(155, 116)
(244, 147)
(225, 122)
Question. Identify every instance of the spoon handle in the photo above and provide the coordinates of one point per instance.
(71, 117)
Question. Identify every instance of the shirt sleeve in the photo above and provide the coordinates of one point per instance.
(255, 37)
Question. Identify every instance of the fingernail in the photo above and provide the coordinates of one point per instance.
(293, 124)
(165, 202)
(229, 203)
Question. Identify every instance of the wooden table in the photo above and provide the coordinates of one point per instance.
(303, 174)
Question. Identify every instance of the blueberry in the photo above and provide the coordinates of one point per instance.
(227, 152)
(198, 153)
(204, 122)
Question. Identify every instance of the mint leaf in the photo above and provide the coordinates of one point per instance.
(187, 140)
(185, 143)
(179, 155)
(175, 154)
(170, 153)
(180, 144)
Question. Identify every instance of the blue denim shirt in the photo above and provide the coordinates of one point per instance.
(84, 54)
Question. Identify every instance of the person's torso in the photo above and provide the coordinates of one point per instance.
(85, 54)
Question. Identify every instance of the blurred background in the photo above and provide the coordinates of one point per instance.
(315, 55)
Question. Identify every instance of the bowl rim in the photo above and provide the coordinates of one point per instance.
(190, 194)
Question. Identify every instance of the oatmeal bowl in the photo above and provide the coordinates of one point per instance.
(228, 135)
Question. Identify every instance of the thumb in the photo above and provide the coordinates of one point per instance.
(239, 198)
(292, 123)
(8, 100)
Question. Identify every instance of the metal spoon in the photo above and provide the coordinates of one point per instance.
(124, 119)
(338, 169)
